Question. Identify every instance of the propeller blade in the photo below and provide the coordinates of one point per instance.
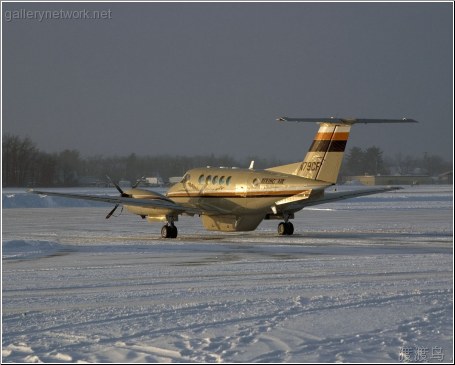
(124, 195)
(112, 211)
(138, 181)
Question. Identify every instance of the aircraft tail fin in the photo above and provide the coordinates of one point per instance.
(323, 160)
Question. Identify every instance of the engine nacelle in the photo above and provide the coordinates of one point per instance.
(152, 214)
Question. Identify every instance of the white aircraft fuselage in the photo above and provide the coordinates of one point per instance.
(232, 199)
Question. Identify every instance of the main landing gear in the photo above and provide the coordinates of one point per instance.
(285, 229)
(169, 231)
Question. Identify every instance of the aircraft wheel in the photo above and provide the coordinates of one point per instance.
(173, 231)
(282, 228)
(285, 228)
(169, 231)
(290, 228)
(165, 231)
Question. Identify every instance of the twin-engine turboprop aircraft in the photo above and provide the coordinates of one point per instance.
(231, 199)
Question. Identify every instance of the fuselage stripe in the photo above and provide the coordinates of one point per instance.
(328, 146)
(248, 194)
(324, 136)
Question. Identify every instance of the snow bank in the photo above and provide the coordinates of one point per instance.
(29, 249)
(23, 199)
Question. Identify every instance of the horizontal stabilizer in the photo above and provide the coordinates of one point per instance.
(294, 198)
(345, 120)
(332, 197)
(336, 196)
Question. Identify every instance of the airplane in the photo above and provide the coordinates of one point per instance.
(235, 199)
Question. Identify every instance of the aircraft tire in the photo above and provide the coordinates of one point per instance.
(165, 231)
(173, 232)
(282, 229)
(169, 231)
(285, 229)
(289, 228)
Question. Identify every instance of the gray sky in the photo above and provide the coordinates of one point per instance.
(212, 78)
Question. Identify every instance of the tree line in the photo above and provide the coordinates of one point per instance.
(23, 164)
(372, 161)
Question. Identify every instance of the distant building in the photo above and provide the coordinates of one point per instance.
(154, 181)
(446, 178)
(391, 179)
(175, 179)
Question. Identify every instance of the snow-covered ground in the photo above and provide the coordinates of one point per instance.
(362, 280)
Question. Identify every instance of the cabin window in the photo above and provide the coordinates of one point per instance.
(228, 180)
(201, 179)
(222, 179)
(215, 180)
(208, 180)
(256, 182)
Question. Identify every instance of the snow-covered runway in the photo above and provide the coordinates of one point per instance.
(366, 280)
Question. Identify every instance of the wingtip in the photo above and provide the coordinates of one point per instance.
(409, 120)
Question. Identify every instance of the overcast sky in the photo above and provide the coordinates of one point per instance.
(212, 78)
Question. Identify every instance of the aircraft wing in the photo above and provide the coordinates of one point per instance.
(332, 197)
(148, 203)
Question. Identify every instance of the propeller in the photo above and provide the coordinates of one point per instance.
(138, 181)
(122, 194)
(112, 211)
